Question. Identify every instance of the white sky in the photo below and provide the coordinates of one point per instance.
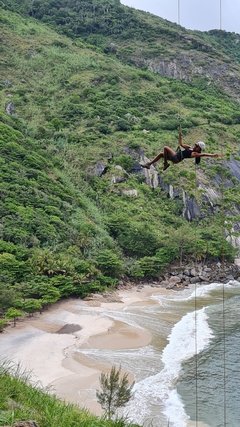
(194, 14)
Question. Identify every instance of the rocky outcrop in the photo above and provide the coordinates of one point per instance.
(193, 64)
(181, 277)
(99, 169)
(117, 174)
(10, 108)
(233, 166)
(6, 83)
(151, 175)
(130, 193)
(211, 195)
(233, 237)
(191, 209)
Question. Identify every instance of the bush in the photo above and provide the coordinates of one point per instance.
(123, 125)
(127, 162)
(149, 267)
(115, 392)
(109, 263)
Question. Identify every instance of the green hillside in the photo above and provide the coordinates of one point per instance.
(76, 211)
(144, 40)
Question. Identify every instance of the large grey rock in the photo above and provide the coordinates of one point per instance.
(99, 169)
(117, 179)
(191, 209)
(234, 167)
(7, 83)
(10, 108)
(130, 193)
(194, 280)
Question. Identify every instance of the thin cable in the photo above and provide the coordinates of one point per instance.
(220, 14)
(223, 290)
(196, 357)
(224, 362)
(179, 12)
(195, 319)
(223, 306)
(179, 23)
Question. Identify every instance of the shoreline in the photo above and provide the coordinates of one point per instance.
(54, 339)
(71, 344)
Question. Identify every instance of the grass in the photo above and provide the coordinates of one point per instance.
(20, 401)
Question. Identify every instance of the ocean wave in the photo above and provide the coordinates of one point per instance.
(200, 291)
(205, 290)
(189, 336)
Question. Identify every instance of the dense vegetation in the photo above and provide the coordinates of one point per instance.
(67, 108)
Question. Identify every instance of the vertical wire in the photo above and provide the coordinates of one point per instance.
(224, 361)
(179, 23)
(223, 308)
(196, 357)
(195, 319)
(223, 288)
(220, 14)
(179, 12)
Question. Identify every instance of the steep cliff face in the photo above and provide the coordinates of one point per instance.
(211, 197)
(191, 65)
(190, 208)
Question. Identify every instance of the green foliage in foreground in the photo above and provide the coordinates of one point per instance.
(115, 392)
(20, 401)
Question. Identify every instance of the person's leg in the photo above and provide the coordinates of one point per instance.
(166, 154)
(169, 154)
(158, 157)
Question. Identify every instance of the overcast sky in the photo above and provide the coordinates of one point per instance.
(194, 14)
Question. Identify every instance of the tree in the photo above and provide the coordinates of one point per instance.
(14, 314)
(3, 324)
(30, 305)
(7, 297)
(109, 263)
(115, 391)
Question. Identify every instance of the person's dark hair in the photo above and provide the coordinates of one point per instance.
(197, 160)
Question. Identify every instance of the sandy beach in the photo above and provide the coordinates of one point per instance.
(49, 345)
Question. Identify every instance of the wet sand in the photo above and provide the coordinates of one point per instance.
(49, 345)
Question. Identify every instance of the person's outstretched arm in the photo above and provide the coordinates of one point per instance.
(180, 140)
(194, 154)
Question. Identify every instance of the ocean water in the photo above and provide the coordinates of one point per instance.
(190, 373)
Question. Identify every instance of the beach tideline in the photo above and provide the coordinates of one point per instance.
(49, 345)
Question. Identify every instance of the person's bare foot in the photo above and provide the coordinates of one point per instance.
(166, 165)
(146, 165)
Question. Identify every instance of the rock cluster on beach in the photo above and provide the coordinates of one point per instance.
(183, 277)
(179, 277)
(175, 278)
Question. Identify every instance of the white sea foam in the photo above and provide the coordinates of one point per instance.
(147, 359)
(160, 389)
(203, 291)
(200, 291)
